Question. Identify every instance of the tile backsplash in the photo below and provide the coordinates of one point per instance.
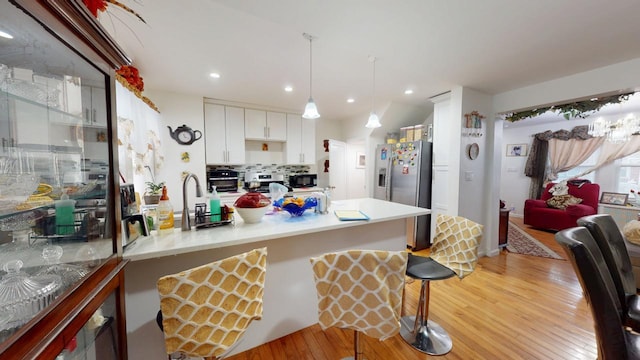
(286, 170)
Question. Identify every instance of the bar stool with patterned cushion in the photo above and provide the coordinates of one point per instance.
(360, 290)
(454, 252)
(205, 310)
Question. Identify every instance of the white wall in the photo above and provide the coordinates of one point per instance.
(175, 110)
(476, 200)
(612, 78)
(357, 186)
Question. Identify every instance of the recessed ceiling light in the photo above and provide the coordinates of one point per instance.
(215, 75)
(350, 100)
(5, 35)
(408, 92)
(288, 89)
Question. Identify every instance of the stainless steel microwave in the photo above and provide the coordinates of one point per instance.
(223, 180)
(303, 180)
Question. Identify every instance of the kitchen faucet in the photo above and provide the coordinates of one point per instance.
(186, 221)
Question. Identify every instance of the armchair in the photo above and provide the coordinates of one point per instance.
(538, 213)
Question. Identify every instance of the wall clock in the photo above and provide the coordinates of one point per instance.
(473, 150)
(184, 135)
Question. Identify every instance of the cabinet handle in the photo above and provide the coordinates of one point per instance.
(86, 114)
(268, 132)
(93, 116)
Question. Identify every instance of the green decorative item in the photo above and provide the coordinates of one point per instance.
(577, 109)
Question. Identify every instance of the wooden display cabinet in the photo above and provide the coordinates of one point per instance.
(56, 47)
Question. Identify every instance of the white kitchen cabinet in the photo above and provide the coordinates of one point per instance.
(224, 134)
(94, 106)
(301, 140)
(265, 125)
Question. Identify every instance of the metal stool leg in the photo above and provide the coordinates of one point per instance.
(357, 348)
(420, 332)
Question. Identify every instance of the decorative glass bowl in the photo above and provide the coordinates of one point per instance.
(296, 206)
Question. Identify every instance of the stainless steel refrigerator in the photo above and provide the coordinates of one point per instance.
(403, 175)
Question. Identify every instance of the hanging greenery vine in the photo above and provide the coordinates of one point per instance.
(578, 109)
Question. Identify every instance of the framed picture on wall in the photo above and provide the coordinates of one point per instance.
(517, 150)
(360, 160)
(613, 198)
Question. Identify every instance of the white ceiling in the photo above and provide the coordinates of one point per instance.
(426, 45)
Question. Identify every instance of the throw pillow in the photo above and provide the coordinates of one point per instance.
(562, 201)
(560, 188)
(631, 231)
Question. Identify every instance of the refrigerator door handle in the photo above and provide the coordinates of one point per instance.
(387, 180)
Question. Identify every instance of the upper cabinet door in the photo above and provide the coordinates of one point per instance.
(276, 126)
(235, 130)
(265, 125)
(294, 145)
(308, 141)
(255, 124)
(301, 140)
(215, 134)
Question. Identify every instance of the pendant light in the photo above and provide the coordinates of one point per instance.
(310, 111)
(374, 121)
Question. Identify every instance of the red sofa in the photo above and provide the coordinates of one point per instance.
(538, 214)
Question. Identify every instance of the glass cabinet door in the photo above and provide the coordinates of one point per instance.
(54, 166)
(97, 339)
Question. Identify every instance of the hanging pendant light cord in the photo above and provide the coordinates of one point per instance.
(310, 66)
(373, 97)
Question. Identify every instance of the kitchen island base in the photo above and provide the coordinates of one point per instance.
(290, 301)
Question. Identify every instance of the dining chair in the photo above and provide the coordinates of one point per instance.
(454, 252)
(613, 340)
(611, 242)
(360, 290)
(204, 311)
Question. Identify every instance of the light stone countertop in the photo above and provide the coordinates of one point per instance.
(274, 226)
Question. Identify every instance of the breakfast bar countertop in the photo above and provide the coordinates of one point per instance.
(274, 226)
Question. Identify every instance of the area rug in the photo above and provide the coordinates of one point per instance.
(518, 241)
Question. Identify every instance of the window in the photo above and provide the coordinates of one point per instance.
(628, 173)
(587, 164)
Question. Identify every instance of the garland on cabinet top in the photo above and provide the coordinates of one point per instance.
(127, 75)
(577, 109)
(101, 5)
(128, 83)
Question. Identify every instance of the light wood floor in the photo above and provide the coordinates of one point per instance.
(512, 307)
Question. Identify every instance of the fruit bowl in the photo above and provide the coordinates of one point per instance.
(296, 206)
(251, 207)
(252, 215)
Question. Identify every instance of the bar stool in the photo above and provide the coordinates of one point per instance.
(205, 310)
(454, 252)
(360, 290)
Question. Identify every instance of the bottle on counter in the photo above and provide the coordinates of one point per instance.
(214, 205)
(165, 213)
(65, 219)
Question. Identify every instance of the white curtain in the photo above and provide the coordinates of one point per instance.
(611, 152)
(566, 154)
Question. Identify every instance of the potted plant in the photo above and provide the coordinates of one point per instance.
(153, 192)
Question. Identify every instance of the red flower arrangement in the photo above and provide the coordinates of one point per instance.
(101, 5)
(132, 75)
